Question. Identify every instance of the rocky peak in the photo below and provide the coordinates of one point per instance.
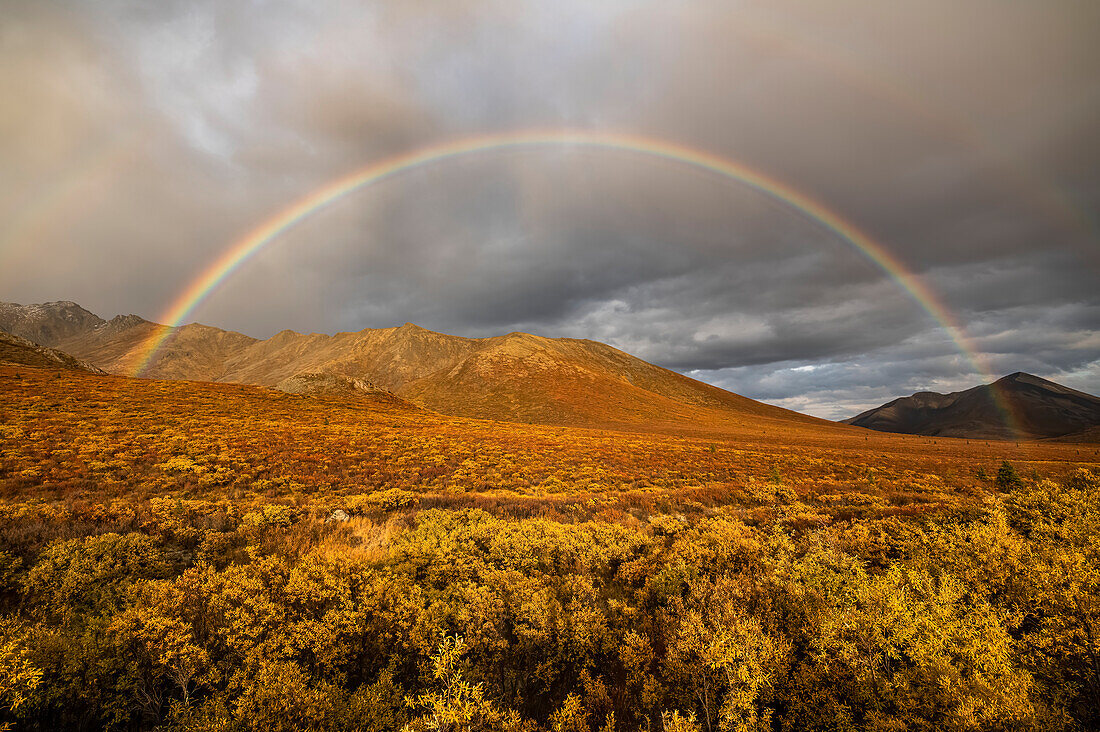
(49, 323)
(120, 323)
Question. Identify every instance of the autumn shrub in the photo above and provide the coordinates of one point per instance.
(80, 577)
(390, 499)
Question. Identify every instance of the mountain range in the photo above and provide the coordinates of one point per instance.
(1035, 407)
(516, 377)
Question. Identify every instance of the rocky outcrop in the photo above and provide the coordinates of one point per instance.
(47, 324)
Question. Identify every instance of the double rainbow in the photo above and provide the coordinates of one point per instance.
(262, 236)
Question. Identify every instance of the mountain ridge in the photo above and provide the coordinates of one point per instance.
(1040, 409)
(513, 377)
(521, 377)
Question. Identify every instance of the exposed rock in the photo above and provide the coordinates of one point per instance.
(322, 383)
(47, 324)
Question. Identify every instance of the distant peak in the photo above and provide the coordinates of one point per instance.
(414, 329)
(120, 323)
(53, 307)
(1042, 409)
(1021, 377)
(282, 337)
(127, 320)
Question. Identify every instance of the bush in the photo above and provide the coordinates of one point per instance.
(1007, 479)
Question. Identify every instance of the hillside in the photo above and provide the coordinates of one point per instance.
(1040, 408)
(515, 377)
(1090, 435)
(16, 350)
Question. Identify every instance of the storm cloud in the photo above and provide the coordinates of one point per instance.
(139, 140)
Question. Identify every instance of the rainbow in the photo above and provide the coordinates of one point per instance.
(256, 240)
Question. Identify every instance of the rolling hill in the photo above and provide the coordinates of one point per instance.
(1040, 408)
(516, 377)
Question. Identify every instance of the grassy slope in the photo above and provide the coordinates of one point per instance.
(16, 350)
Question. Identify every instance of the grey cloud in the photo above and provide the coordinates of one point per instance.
(139, 140)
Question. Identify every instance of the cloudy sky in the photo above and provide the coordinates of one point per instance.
(138, 140)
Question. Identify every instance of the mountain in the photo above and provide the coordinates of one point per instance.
(515, 377)
(14, 349)
(1040, 408)
(529, 378)
(47, 324)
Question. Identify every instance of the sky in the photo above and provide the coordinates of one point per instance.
(140, 140)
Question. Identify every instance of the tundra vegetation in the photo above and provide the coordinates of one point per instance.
(171, 557)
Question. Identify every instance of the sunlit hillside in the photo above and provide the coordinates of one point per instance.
(516, 377)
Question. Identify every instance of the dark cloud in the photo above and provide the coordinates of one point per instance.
(139, 140)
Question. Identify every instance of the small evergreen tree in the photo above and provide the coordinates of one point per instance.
(1007, 478)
